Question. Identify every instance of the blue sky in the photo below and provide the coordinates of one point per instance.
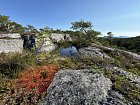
(121, 17)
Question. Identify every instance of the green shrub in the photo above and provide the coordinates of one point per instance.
(135, 71)
(12, 64)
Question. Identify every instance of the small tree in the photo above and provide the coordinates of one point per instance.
(4, 21)
(85, 29)
(6, 25)
(16, 28)
(110, 36)
(82, 26)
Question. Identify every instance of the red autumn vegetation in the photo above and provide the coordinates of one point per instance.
(31, 85)
(38, 78)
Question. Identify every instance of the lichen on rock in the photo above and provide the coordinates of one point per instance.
(77, 87)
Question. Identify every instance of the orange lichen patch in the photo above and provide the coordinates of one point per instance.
(38, 78)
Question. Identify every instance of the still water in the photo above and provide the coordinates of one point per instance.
(69, 52)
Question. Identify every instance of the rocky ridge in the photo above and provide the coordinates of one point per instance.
(14, 43)
(114, 77)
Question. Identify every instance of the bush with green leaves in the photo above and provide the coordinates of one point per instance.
(12, 64)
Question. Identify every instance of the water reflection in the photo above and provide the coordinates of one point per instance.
(69, 51)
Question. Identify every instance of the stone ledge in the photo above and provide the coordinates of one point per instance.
(77, 87)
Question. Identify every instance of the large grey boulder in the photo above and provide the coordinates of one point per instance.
(11, 45)
(60, 37)
(77, 87)
(47, 45)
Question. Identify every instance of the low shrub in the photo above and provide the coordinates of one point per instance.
(12, 64)
(31, 86)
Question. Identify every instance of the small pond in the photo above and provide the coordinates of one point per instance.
(69, 52)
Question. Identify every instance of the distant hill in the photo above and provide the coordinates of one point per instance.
(122, 36)
(131, 43)
(126, 43)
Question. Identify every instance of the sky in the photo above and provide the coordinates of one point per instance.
(121, 17)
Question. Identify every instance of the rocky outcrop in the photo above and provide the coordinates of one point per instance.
(14, 43)
(46, 46)
(132, 77)
(93, 52)
(60, 37)
(101, 52)
(116, 64)
(128, 55)
(77, 87)
(11, 35)
(11, 45)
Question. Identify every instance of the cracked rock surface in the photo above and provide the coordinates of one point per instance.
(77, 87)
